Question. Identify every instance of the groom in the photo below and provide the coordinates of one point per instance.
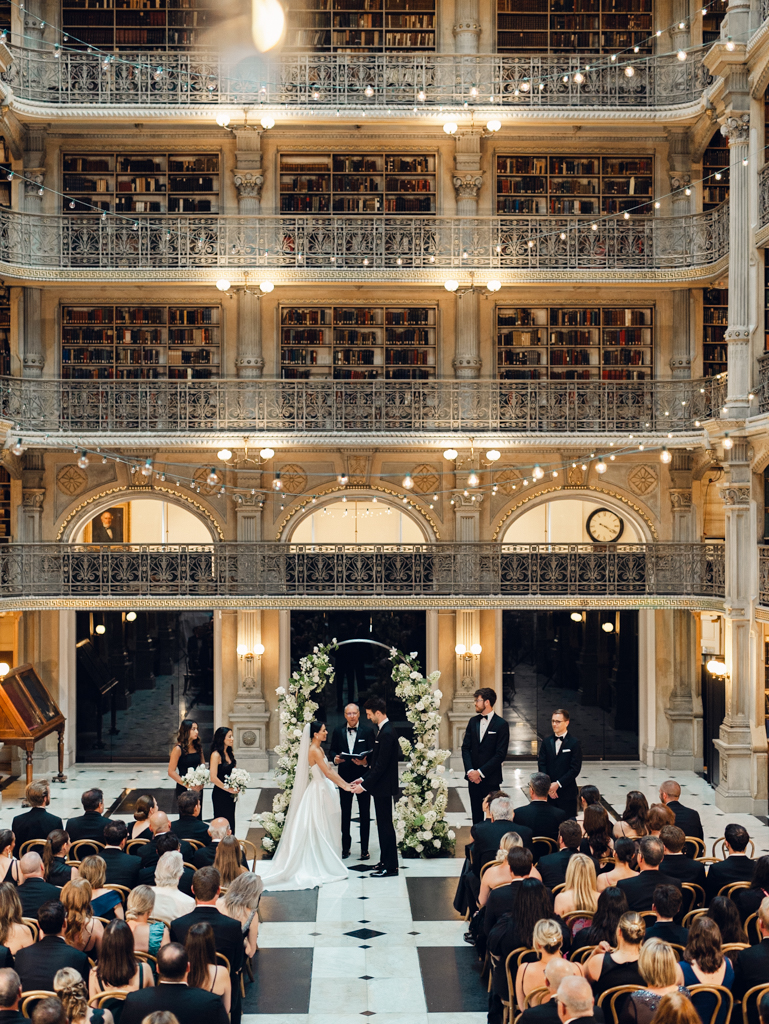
(381, 781)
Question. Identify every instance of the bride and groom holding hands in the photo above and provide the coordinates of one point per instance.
(317, 826)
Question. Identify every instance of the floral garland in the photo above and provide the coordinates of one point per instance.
(420, 824)
(296, 708)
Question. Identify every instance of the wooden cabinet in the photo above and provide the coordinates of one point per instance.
(575, 343)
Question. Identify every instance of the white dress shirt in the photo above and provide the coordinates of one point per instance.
(352, 735)
(485, 720)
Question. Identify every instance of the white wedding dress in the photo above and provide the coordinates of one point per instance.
(309, 851)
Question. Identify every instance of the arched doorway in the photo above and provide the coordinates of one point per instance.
(361, 670)
(139, 673)
(584, 660)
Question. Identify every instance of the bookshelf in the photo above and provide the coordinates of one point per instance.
(140, 183)
(766, 303)
(5, 332)
(573, 185)
(715, 161)
(139, 24)
(358, 342)
(355, 26)
(140, 342)
(575, 343)
(766, 684)
(5, 507)
(569, 26)
(715, 316)
(711, 21)
(357, 183)
(5, 18)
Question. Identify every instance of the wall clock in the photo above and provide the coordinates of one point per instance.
(604, 526)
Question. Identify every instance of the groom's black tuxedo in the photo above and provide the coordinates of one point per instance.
(381, 781)
(486, 755)
(364, 740)
(562, 767)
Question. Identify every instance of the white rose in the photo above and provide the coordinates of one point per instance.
(437, 694)
(440, 768)
(267, 843)
(281, 691)
(451, 834)
(420, 746)
(413, 654)
(419, 847)
(437, 844)
(414, 675)
(435, 783)
(298, 733)
(280, 816)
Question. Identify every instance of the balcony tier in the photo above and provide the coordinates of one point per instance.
(421, 575)
(405, 249)
(302, 85)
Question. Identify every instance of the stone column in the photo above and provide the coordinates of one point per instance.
(679, 169)
(248, 176)
(468, 179)
(680, 492)
(34, 168)
(249, 715)
(681, 359)
(736, 128)
(741, 765)
(467, 354)
(249, 362)
(467, 26)
(31, 515)
(34, 359)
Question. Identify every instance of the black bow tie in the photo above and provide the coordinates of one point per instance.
(350, 728)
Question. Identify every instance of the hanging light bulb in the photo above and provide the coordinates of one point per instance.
(629, 71)
(342, 479)
(101, 630)
(17, 448)
(607, 627)
(368, 91)
(727, 442)
(665, 455)
(576, 616)
(268, 23)
(130, 617)
(538, 472)
(600, 467)
(408, 481)
(473, 480)
(579, 78)
(681, 55)
(212, 479)
(83, 461)
(277, 484)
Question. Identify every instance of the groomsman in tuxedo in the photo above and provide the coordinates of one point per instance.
(381, 781)
(560, 757)
(353, 738)
(484, 748)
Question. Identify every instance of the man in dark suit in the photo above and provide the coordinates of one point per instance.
(92, 823)
(687, 819)
(160, 824)
(189, 824)
(217, 830)
(674, 863)
(172, 994)
(484, 749)
(640, 890)
(228, 937)
(347, 740)
(36, 823)
(37, 964)
(666, 904)
(560, 757)
(541, 817)
(737, 867)
(547, 1013)
(167, 842)
(575, 1001)
(752, 967)
(381, 781)
(487, 834)
(502, 899)
(121, 869)
(34, 891)
(10, 998)
(552, 868)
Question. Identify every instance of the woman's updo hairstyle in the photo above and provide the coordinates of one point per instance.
(633, 928)
(315, 727)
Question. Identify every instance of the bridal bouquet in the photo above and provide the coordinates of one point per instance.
(238, 779)
(196, 777)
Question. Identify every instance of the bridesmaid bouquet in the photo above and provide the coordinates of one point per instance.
(196, 777)
(238, 779)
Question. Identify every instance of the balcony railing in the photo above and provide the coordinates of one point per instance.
(273, 569)
(763, 575)
(323, 81)
(763, 194)
(174, 406)
(363, 244)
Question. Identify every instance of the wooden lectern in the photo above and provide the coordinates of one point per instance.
(28, 713)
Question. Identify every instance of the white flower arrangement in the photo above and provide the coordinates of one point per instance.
(420, 812)
(295, 708)
(238, 779)
(196, 777)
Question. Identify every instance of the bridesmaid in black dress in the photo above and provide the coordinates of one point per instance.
(221, 764)
(187, 753)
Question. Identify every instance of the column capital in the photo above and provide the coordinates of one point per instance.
(734, 495)
(736, 129)
(33, 497)
(245, 499)
(35, 179)
(467, 187)
(470, 500)
(248, 183)
(680, 499)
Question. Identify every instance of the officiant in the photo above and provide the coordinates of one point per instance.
(349, 744)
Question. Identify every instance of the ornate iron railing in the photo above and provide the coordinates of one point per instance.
(762, 392)
(763, 194)
(359, 570)
(363, 244)
(763, 575)
(369, 405)
(316, 80)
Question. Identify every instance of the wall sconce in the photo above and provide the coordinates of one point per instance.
(716, 667)
(462, 652)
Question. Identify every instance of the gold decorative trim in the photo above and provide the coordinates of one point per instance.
(574, 490)
(139, 490)
(357, 489)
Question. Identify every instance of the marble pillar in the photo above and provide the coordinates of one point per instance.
(736, 128)
(33, 359)
(467, 26)
(249, 362)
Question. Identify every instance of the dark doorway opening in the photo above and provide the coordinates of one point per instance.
(138, 675)
(360, 670)
(586, 664)
(713, 712)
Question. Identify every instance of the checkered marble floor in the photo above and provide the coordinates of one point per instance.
(387, 948)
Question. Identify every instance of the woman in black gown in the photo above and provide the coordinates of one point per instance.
(187, 753)
(221, 764)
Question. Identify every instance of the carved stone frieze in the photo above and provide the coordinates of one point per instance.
(642, 479)
(426, 478)
(71, 480)
(294, 479)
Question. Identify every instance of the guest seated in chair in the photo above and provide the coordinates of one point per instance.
(666, 904)
(736, 867)
(657, 964)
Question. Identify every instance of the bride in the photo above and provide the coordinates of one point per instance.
(309, 850)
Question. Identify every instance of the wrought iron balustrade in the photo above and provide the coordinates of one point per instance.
(362, 243)
(763, 194)
(763, 575)
(173, 406)
(274, 569)
(763, 383)
(318, 80)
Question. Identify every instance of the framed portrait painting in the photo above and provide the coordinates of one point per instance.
(109, 527)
